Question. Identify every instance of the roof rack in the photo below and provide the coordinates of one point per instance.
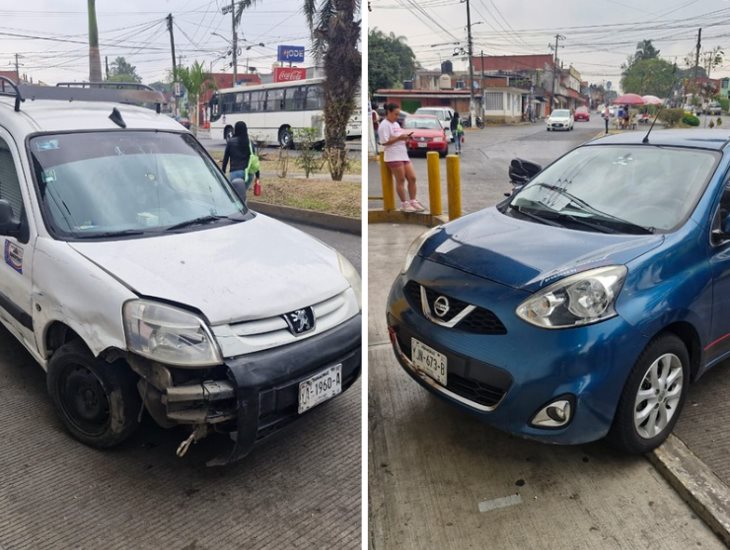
(115, 92)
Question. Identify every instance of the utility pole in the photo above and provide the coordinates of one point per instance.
(471, 66)
(17, 71)
(234, 49)
(555, 68)
(106, 65)
(174, 66)
(697, 55)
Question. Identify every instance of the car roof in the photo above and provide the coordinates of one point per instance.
(51, 115)
(698, 138)
(432, 117)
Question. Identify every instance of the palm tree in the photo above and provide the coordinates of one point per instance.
(94, 57)
(195, 80)
(645, 50)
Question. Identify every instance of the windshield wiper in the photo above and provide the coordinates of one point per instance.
(537, 217)
(197, 221)
(585, 207)
(104, 234)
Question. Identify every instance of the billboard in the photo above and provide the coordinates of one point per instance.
(290, 54)
(288, 74)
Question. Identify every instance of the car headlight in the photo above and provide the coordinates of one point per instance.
(353, 277)
(416, 246)
(169, 335)
(580, 299)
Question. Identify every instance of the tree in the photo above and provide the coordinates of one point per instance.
(94, 57)
(122, 71)
(390, 60)
(196, 81)
(645, 50)
(649, 76)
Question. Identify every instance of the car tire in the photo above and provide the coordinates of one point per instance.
(286, 138)
(634, 430)
(97, 401)
(443, 153)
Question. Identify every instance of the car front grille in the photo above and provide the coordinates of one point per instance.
(473, 390)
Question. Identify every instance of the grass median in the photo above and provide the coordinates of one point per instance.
(317, 193)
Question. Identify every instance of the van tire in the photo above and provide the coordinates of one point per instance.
(286, 139)
(624, 433)
(97, 401)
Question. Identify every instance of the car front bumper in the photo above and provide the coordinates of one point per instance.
(520, 371)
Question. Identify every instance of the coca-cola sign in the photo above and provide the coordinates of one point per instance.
(288, 74)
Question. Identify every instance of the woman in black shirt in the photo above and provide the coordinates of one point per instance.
(238, 152)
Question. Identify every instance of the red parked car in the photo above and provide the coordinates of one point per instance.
(428, 134)
(582, 113)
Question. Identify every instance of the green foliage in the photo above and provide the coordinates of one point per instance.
(390, 60)
(724, 104)
(691, 120)
(305, 140)
(645, 50)
(719, 121)
(195, 80)
(122, 71)
(649, 76)
(670, 117)
(711, 124)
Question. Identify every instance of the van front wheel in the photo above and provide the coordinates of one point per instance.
(97, 401)
(653, 396)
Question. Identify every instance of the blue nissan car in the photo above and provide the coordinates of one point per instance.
(585, 304)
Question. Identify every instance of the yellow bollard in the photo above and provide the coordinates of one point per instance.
(453, 186)
(434, 183)
(386, 179)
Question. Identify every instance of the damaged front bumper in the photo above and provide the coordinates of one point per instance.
(249, 397)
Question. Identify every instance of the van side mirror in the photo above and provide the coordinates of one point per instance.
(239, 186)
(723, 232)
(9, 225)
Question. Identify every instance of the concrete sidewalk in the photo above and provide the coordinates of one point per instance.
(432, 468)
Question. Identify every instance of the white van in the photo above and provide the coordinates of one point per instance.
(444, 114)
(138, 279)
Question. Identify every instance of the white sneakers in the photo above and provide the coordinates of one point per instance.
(412, 206)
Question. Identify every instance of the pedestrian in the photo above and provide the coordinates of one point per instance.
(457, 130)
(627, 116)
(242, 156)
(606, 116)
(393, 139)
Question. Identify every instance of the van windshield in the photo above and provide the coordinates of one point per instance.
(104, 184)
(619, 188)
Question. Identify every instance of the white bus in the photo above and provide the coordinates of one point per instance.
(273, 111)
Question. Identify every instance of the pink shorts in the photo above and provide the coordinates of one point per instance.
(397, 163)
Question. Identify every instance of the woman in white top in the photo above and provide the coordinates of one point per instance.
(393, 139)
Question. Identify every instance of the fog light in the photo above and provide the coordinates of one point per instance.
(554, 415)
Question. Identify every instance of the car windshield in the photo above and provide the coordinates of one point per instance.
(99, 184)
(423, 123)
(622, 188)
(561, 113)
(434, 112)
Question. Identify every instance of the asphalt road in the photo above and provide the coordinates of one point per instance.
(300, 489)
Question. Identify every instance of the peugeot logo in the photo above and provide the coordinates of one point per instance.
(300, 320)
(441, 306)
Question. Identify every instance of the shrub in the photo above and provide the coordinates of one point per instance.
(691, 120)
(670, 117)
(308, 159)
(711, 124)
(719, 121)
(724, 104)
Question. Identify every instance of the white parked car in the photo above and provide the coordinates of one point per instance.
(136, 276)
(444, 114)
(560, 119)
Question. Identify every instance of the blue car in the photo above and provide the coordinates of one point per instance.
(585, 304)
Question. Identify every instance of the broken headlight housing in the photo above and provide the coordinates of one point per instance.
(169, 335)
(581, 299)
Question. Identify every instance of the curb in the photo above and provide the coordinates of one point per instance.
(415, 218)
(319, 219)
(696, 484)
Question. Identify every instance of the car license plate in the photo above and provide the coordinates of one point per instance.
(422, 144)
(429, 361)
(319, 388)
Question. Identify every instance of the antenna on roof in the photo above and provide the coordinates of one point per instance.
(646, 137)
(116, 118)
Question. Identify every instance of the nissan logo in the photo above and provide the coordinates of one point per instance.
(441, 306)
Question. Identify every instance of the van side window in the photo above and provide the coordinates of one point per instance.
(9, 185)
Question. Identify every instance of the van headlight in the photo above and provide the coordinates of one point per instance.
(581, 299)
(169, 335)
(416, 246)
(353, 277)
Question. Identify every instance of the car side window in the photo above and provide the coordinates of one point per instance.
(9, 184)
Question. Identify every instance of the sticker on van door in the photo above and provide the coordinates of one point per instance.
(14, 256)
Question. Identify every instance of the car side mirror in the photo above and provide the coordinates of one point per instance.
(9, 225)
(239, 186)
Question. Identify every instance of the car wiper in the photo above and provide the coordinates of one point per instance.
(197, 221)
(584, 206)
(542, 219)
(105, 234)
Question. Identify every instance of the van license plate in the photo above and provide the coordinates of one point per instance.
(318, 388)
(429, 361)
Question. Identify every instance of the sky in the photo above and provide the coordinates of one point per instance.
(599, 34)
(136, 30)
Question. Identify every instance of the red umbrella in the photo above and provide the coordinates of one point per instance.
(652, 100)
(628, 99)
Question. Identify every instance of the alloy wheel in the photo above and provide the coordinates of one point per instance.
(658, 397)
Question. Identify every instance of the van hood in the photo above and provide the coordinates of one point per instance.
(249, 270)
(526, 255)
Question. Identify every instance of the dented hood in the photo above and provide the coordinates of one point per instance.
(249, 270)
